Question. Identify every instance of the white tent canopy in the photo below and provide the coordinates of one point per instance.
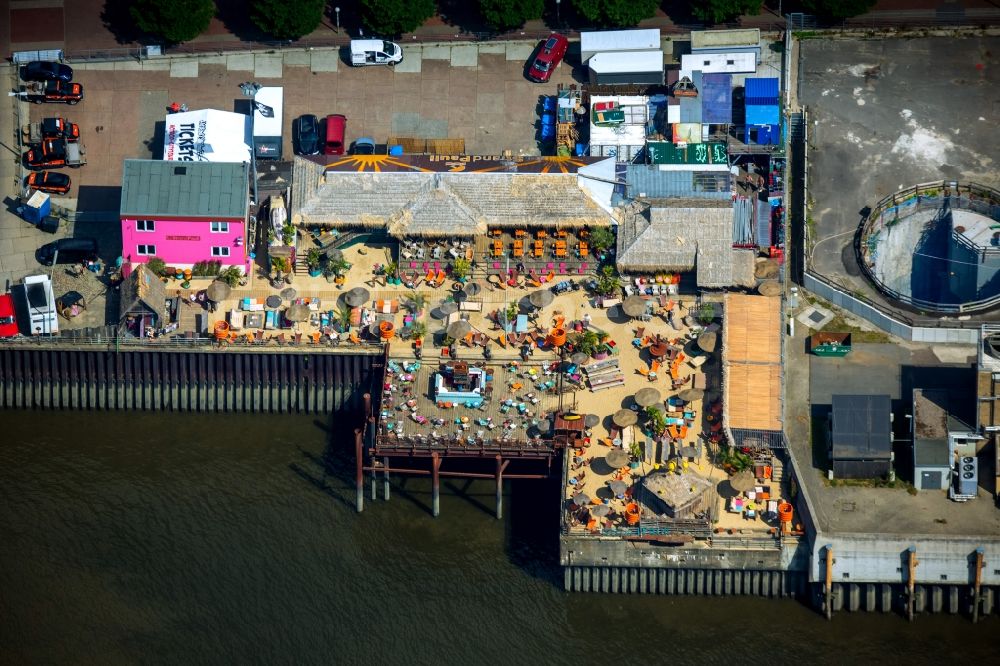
(207, 135)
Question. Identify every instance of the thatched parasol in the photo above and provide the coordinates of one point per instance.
(742, 482)
(707, 341)
(579, 357)
(355, 297)
(273, 301)
(624, 418)
(334, 255)
(581, 499)
(472, 289)
(459, 329)
(297, 312)
(289, 293)
(591, 420)
(600, 510)
(218, 291)
(766, 269)
(616, 458)
(691, 394)
(618, 487)
(541, 298)
(450, 307)
(769, 288)
(634, 306)
(647, 396)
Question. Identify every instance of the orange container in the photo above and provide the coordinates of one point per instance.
(386, 330)
(632, 513)
(785, 512)
(221, 329)
(557, 336)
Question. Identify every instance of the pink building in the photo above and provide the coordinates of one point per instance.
(185, 212)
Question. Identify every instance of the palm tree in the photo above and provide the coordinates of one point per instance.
(416, 302)
(342, 315)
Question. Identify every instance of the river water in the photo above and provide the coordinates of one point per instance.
(192, 538)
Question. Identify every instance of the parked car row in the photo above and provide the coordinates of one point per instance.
(49, 82)
(312, 136)
(53, 143)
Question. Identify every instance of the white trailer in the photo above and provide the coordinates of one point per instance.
(267, 122)
(41, 305)
(606, 41)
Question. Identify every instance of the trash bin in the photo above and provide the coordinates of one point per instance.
(49, 224)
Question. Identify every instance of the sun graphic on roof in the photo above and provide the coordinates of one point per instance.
(458, 163)
(373, 163)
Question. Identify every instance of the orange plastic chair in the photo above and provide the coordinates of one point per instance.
(429, 277)
(353, 337)
(643, 371)
(516, 386)
(655, 367)
(551, 276)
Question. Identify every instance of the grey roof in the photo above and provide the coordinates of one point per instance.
(683, 238)
(862, 429)
(156, 189)
(647, 181)
(931, 453)
(442, 204)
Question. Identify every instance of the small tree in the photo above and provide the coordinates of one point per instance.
(314, 258)
(156, 265)
(505, 15)
(342, 315)
(657, 420)
(616, 12)
(339, 266)
(706, 314)
(608, 281)
(601, 238)
(586, 342)
(174, 20)
(418, 330)
(416, 302)
(460, 268)
(394, 17)
(720, 11)
(287, 19)
(231, 276)
(513, 309)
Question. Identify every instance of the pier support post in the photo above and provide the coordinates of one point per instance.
(435, 484)
(911, 581)
(360, 471)
(977, 585)
(385, 477)
(501, 466)
(828, 582)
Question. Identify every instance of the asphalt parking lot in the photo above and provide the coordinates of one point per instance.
(886, 114)
(472, 91)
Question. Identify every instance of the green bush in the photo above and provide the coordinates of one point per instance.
(157, 266)
(389, 18)
(287, 19)
(174, 20)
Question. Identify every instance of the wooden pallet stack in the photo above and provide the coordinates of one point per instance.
(604, 374)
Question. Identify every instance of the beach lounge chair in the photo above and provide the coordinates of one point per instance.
(353, 337)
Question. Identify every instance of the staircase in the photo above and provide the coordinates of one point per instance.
(796, 127)
(777, 472)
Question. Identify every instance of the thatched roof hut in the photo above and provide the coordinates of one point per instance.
(143, 295)
(408, 204)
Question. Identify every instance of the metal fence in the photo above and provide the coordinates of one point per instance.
(115, 342)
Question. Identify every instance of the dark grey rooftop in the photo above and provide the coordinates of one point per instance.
(931, 453)
(862, 429)
(159, 189)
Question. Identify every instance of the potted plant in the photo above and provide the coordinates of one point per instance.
(657, 420)
(460, 268)
(585, 342)
(601, 238)
(510, 314)
(608, 281)
(231, 276)
(635, 452)
(418, 330)
(342, 319)
(314, 261)
(416, 302)
(288, 234)
(706, 314)
(157, 266)
(389, 271)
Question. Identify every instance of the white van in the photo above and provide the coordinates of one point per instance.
(375, 52)
(41, 305)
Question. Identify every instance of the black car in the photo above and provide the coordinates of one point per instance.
(71, 251)
(44, 70)
(305, 134)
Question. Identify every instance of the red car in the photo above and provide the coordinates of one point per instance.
(550, 54)
(8, 322)
(52, 182)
